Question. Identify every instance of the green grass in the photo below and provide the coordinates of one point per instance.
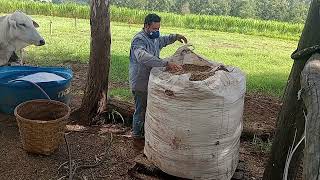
(121, 93)
(217, 23)
(266, 61)
(260, 145)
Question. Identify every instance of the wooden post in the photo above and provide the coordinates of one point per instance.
(50, 27)
(311, 96)
(95, 98)
(21, 56)
(291, 117)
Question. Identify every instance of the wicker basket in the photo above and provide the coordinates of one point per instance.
(41, 125)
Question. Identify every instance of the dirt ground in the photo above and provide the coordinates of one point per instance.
(259, 123)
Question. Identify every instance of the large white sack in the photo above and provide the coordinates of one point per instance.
(193, 128)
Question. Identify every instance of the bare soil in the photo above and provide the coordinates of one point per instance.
(198, 73)
(259, 119)
(17, 164)
(194, 68)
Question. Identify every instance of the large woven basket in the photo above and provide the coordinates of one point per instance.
(41, 125)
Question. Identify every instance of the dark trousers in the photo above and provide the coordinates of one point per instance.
(140, 102)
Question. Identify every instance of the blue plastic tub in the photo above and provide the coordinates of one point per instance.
(13, 92)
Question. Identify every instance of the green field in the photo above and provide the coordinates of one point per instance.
(274, 29)
(266, 61)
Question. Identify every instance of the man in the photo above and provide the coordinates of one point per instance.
(144, 55)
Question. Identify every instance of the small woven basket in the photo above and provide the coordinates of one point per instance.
(41, 125)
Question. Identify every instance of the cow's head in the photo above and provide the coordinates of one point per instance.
(23, 30)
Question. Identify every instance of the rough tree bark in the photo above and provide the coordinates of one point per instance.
(95, 97)
(291, 118)
(310, 81)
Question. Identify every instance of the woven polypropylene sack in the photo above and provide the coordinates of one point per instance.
(193, 128)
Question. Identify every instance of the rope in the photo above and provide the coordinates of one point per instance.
(292, 150)
(36, 85)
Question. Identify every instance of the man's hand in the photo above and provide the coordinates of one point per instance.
(181, 38)
(173, 67)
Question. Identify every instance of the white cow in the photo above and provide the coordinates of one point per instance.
(17, 31)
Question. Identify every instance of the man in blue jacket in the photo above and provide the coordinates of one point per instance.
(144, 55)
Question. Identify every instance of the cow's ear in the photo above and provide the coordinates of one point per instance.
(12, 23)
(36, 25)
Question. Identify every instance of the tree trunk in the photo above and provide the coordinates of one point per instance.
(291, 118)
(94, 101)
(311, 96)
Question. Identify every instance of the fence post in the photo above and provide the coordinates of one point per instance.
(50, 27)
(310, 82)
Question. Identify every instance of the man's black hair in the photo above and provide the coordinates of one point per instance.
(151, 18)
